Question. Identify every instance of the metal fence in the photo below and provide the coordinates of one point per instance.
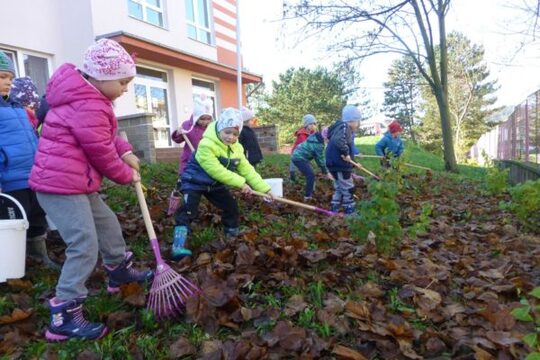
(518, 138)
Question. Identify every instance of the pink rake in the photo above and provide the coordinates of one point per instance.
(299, 204)
(170, 290)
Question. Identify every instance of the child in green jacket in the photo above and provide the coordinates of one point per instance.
(218, 162)
(312, 148)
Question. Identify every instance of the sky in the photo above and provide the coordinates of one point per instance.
(269, 47)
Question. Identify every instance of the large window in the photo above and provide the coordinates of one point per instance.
(34, 66)
(150, 11)
(151, 95)
(198, 20)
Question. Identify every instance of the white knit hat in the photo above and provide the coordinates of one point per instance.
(230, 118)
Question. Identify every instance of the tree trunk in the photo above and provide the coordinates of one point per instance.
(446, 126)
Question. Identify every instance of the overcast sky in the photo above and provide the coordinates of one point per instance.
(269, 50)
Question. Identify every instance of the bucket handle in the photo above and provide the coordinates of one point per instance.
(17, 203)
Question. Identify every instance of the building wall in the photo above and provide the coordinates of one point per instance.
(112, 16)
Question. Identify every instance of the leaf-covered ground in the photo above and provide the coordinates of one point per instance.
(296, 284)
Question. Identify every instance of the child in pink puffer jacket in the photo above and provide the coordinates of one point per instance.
(78, 146)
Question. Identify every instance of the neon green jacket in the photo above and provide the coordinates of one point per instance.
(222, 163)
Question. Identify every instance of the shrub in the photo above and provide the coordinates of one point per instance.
(525, 204)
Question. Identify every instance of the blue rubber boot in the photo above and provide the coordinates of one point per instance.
(179, 241)
(125, 274)
(68, 322)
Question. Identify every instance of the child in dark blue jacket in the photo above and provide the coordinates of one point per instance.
(390, 144)
(338, 158)
(18, 144)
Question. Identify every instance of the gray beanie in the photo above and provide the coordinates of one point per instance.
(351, 113)
(6, 64)
(309, 119)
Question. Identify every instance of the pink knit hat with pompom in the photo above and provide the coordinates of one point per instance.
(108, 60)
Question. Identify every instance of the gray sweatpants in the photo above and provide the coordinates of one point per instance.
(343, 187)
(87, 226)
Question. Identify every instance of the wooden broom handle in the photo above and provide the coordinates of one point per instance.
(357, 165)
(287, 201)
(144, 210)
(188, 142)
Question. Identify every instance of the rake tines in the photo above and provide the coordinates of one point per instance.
(169, 292)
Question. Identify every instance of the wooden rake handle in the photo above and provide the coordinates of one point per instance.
(407, 164)
(298, 204)
(188, 142)
(357, 165)
(145, 211)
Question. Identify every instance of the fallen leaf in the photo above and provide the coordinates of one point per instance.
(343, 352)
(181, 347)
(16, 315)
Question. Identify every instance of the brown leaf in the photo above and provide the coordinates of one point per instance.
(434, 345)
(16, 315)
(357, 310)
(20, 284)
(133, 294)
(405, 346)
(313, 256)
(451, 310)
(245, 255)
(502, 338)
(370, 289)
(120, 319)
(88, 355)
(295, 305)
(427, 299)
(181, 347)
(481, 354)
(343, 352)
(212, 349)
(491, 274)
(203, 259)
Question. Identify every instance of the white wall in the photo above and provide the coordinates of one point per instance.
(113, 16)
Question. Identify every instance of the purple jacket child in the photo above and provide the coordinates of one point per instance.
(193, 128)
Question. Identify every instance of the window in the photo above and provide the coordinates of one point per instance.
(198, 20)
(36, 67)
(150, 11)
(204, 91)
(151, 95)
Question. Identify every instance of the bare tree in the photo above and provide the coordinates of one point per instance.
(360, 28)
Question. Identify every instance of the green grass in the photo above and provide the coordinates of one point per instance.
(416, 155)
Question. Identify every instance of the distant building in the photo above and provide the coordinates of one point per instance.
(376, 125)
(184, 49)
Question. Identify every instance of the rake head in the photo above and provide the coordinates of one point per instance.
(169, 292)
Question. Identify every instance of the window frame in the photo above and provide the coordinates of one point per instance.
(148, 83)
(19, 62)
(144, 6)
(197, 26)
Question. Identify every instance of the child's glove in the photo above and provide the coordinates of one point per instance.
(269, 197)
(246, 189)
(136, 176)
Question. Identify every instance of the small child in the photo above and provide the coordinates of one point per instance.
(218, 162)
(78, 146)
(310, 126)
(248, 139)
(24, 92)
(193, 128)
(312, 148)
(338, 156)
(390, 144)
(18, 144)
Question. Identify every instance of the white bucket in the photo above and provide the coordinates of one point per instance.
(276, 185)
(13, 245)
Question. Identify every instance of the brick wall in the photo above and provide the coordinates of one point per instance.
(268, 138)
(140, 133)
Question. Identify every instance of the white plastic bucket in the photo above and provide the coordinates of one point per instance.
(276, 185)
(13, 245)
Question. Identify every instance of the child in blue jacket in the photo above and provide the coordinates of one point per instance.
(18, 144)
(339, 151)
(390, 144)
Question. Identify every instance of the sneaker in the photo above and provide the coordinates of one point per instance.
(307, 198)
(231, 233)
(179, 241)
(125, 274)
(68, 322)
